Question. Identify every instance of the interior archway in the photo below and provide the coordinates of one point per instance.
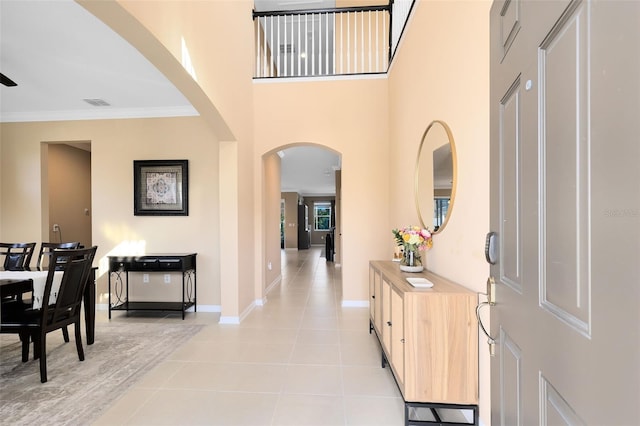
(298, 171)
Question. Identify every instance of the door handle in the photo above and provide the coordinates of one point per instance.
(491, 301)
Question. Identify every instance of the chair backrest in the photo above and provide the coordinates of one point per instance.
(75, 266)
(16, 255)
(47, 248)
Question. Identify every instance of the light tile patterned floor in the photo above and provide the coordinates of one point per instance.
(301, 359)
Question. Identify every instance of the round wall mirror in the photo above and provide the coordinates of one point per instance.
(435, 176)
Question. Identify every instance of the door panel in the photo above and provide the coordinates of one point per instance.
(397, 336)
(564, 170)
(386, 316)
(565, 201)
(510, 231)
(510, 374)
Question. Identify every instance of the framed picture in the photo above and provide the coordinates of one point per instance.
(161, 187)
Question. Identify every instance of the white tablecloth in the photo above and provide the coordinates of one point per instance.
(39, 280)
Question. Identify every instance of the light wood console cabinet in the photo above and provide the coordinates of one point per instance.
(429, 336)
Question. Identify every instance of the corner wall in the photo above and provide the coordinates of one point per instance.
(441, 71)
(348, 116)
(115, 144)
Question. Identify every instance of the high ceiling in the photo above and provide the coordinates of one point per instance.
(309, 170)
(272, 5)
(59, 55)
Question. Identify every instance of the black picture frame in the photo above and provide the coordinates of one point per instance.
(161, 188)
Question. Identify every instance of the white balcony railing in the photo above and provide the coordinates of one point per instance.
(326, 42)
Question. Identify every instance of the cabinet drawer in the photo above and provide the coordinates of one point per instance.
(170, 264)
(144, 264)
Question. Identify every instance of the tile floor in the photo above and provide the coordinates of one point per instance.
(301, 359)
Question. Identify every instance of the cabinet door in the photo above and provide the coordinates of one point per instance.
(377, 304)
(372, 294)
(386, 316)
(397, 336)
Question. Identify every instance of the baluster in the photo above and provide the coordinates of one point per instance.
(292, 53)
(370, 44)
(306, 49)
(326, 43)
(341, 44)
(333, 65)
(377, 41)
(362, 40)
(271, 73)
(277, 49)
(319, 44)
(348, 42)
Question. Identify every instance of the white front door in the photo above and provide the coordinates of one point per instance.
(565, 204)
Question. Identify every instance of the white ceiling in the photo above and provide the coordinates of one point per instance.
(59, 54)
(309, 170)
(273, 5)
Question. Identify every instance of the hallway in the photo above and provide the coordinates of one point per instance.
(301, 359)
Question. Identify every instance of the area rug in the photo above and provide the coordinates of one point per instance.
(77, 393)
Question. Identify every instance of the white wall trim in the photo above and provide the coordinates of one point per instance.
(355, 303)
(237, 320)
(273, 284)
(207, 308)
(229, 320)
(98, 114)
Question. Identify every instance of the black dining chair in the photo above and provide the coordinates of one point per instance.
(44, 256)
(75, 266)
(16, 255)
(44, 261)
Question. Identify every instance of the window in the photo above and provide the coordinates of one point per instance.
(441, 207)
(322, 216)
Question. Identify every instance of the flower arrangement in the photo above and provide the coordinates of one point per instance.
(413, 240)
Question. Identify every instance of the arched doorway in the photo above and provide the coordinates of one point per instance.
(294, 175)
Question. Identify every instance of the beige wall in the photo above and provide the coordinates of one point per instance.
(271, 223)
(115, 144)
(290, 219)
(439, 72)
(442, 72)
(68, 180)
(349, 117)
(222, 95)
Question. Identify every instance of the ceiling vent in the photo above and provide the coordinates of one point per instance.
(97, 102)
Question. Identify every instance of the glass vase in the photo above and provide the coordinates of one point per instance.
(411, 260)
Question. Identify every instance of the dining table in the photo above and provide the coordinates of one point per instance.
(16, 282)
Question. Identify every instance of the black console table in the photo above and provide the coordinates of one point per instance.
(163, 263)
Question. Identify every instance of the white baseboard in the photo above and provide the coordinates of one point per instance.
(238, 319)
(355, 303)
(273, 284)
(207, 308)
